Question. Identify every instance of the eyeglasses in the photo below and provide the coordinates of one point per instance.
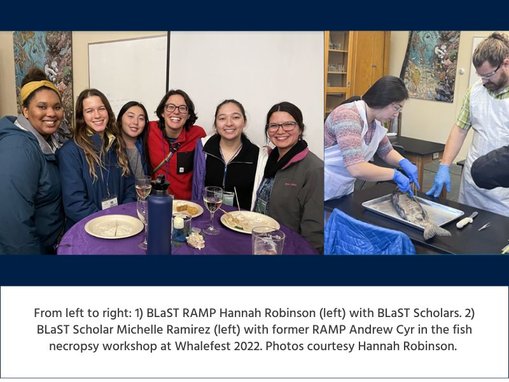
(397, 108)
(287, 126)
(489, 75)
(170, 108)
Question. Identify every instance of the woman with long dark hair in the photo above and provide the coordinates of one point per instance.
(228, 159)
(292, 187)
(354, 133)
(132, 122)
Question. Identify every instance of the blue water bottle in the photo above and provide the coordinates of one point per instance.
(160, 210)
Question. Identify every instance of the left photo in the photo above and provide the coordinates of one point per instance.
(226, 158)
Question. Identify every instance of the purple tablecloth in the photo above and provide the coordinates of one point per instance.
(78, 242)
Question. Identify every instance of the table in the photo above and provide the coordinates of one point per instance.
(419, 152)
(77, 242)
(465, 241)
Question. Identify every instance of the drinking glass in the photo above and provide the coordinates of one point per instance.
(267, 240)
(142, 211)
(143, 187)
(213, 198)
(228, 198)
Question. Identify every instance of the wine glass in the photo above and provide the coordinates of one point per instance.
(143, 187)
(213, 198)
(142, 211)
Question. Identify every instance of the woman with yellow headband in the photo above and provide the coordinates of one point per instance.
(94, 168)
(31, 212)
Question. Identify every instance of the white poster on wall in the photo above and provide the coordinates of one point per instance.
(130, 70)
(473, 74)
(258, 69)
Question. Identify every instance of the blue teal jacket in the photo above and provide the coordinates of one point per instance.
(31, 215)
(83, 195)
(345, 235)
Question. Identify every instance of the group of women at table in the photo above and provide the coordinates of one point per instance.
(52, 185)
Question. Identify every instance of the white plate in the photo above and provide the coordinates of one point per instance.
(244, 221)
(179, 202)
(114, 226)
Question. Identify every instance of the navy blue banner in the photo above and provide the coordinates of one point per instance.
(256, 15)
(436, 270)
(254, 270)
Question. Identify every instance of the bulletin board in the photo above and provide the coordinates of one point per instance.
(258, 69)
(127, 70)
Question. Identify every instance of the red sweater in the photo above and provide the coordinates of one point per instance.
(179, 169)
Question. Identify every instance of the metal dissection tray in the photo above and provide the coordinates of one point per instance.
(438, 213)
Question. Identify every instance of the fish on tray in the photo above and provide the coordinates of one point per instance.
(411, 210)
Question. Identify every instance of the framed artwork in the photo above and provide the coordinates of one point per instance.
(429, 68)
(51, 52)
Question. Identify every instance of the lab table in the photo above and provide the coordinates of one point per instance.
(467, 240)
(418, 151)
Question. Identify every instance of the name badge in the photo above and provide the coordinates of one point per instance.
(107, 203)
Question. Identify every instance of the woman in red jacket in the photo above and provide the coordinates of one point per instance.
(171, 142)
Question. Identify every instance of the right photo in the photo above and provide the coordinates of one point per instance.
(416, 142)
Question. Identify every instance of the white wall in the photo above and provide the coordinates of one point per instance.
(257, 69)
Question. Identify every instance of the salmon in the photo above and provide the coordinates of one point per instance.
(411, 210)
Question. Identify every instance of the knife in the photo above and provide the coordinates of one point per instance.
(463, 222)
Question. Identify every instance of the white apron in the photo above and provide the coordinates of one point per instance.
(337, 180)
(490, 121)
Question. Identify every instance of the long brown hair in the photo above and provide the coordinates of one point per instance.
(82, 136)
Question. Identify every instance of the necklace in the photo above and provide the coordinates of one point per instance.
(230, 154)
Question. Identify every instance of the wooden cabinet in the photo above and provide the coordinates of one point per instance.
(354, 60)
(337, 64)
(371, 59)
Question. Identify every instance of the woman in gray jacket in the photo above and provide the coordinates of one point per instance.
(292, 187)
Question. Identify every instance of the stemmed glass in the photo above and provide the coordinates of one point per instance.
(143, 187)
(213, 198)
(142, 211)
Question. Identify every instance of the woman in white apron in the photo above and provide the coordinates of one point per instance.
(354, 133)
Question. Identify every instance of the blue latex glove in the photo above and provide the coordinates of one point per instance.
(442, 177)
(403, 182)
(411, 171)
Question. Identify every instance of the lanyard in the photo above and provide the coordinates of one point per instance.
(107, 175)
(226, 164)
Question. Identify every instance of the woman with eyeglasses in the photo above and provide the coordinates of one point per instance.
(94, 168)
(292, 187)
(172, 140)
(228, 159)
(485, 110)
(354, 134)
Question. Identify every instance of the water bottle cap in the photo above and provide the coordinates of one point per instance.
(160, 184)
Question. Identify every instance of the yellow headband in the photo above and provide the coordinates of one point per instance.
(32, 86)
